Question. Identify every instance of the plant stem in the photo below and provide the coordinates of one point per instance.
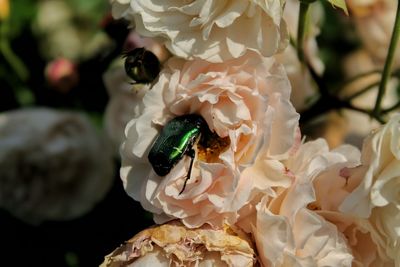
(395, 106)
(12, 59)
(388, 64)
(362, 91)
(359, 76)
(301, 28)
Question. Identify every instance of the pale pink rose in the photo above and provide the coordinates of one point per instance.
(59, 35)
(375, 196)
(244, 101)
(53, 164)
(374, 21)
(286, 231)
(288, 234)
(174, 245)
(331, 186)
(319, 186)
(211, 30)
(362, 237)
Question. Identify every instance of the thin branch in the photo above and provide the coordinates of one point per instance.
(394, 107)
(361, 75)
(362, 91)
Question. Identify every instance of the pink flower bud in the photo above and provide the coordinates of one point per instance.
(61, 74)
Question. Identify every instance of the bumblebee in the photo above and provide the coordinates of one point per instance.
(142, 65)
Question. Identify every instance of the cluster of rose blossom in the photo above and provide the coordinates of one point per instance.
(267, 198)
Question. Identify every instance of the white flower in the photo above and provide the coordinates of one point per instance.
(244, 101)
(126, 102)
(376, 193)
(331, 185)
(379, 172)
(213, 30)
(287, 232)
(281, 218)
(174, 245)
(53, 166)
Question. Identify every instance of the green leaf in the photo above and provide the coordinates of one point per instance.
(340, 4)
(25, 96)
(71, 259)
(22, 12)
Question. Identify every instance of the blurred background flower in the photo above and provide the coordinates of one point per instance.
(374, 20)
(4, 9)
(59, 183)
(53, 164)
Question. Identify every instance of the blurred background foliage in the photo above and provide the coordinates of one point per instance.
(34, 34)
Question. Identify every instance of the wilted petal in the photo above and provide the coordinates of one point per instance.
(174, 245)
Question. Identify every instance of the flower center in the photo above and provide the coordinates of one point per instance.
(209, 148)
(313, 206)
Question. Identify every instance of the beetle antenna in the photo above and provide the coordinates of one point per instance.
(191, 154)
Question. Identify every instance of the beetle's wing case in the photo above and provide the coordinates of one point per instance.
(172, 134)
(177, 136)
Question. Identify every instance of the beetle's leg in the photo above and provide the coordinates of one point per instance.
(191, 153)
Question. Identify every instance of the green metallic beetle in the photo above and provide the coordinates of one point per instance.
(175, 141)
(142, 65)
